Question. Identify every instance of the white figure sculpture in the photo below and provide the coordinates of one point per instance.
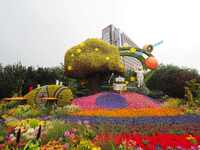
(57, 82)
(140, 77)
(119, 85)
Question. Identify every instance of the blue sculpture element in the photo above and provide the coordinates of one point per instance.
(158, 43)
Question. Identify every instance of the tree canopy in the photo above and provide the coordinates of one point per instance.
(172, 79)
(17, 78)
(91, 57)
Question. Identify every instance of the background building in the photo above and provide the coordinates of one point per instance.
(114, 36)
(126, 39)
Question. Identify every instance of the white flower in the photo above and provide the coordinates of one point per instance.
(198, 147)
(30, 133)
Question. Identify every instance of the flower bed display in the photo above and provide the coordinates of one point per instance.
(135, 121)
(114, 100)
(49, 118)
(130, 112)
(105, 120)
(156, 141)
(111, 100)
(57, 134)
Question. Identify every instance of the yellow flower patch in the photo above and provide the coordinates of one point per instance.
(96, 49)
(133, 50)
(69, 68)
(107, 58)
(126, 82)
(78, 50)
(82, 44)
(132, 78)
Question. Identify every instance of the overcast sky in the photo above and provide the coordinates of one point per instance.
(38, 32)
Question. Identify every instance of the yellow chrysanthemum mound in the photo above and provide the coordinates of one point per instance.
(92, 56)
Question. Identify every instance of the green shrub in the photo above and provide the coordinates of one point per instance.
(156, 94)
(68, 109)
(56, 130)
(177, 131)
(192, 110)
(2, 133)
(142, 90)
(172, 103)
(71, 108)
(171, 80)
(192, 92)
(33, 123)
(6, 106)
(24, 111)
(58, 112)
(27, 123)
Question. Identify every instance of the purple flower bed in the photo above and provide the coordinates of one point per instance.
(135, 121)
(111, 100)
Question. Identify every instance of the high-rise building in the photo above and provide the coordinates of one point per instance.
(114, 36)
(111, 35)
(126, 39)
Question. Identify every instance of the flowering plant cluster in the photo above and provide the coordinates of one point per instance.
(114, 100)
(163, 141)
(54, 135)
(126, 121)
(22, 111)
(54, 145)
(130, 112)
(83, 135)
(65, 110)
(22, 131)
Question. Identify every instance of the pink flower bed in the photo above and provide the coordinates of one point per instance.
(86, 102)
(134, 100)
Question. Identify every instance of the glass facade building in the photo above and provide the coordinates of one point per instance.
(114, 36)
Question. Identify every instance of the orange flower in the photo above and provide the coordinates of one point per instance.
(130, 112)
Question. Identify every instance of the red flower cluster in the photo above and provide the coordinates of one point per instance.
(164, 141)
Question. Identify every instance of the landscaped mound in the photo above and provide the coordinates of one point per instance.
(115, 100)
